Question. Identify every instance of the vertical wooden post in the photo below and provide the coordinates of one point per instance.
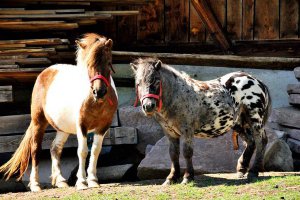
(211, 23)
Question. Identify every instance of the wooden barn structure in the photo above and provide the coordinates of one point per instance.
(37, 33)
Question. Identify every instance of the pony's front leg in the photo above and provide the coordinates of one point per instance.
(188, 154)
(56, 149)
(82, 153)
(174, 152)
(92, 179)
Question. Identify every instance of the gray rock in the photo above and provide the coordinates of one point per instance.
(113, 173)
(278, 157)
(210, 156)
(149, 131)
(148, 148)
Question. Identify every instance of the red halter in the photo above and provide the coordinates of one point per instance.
(99, 76)
(157, 97)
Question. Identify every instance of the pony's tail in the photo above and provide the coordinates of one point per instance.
(20, 159)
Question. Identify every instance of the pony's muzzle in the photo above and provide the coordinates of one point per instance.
(99, 94)
(149, 106)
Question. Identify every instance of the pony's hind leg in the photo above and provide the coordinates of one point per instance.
(261, 141)
(92, 179)
(244, 160)
(174, 155)
(56, 149)
(38, 129)
(188, 154)
(82, 152)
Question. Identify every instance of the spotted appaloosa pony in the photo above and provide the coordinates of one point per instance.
(205, 109)
(74, 100)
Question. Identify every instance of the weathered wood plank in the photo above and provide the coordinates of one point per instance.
(218, 10)
(32, 42)
(266, 19)
(234, 19)
(197, 27)
(127, 27)
(9, 66)
(10, 46)
(289, 19)
(58, 16)
(176, 20)
(150, 23)
(27, 51)
(121, 135)
(293, 88)
(11, 143)
(115, 12)
(287, 116)
(6, 94)
(39, 12)
(297, 72)
(115, 136)
(38, 26)
(294, 145)
(212, 60)
(14, 124)
(211, 23)
(26, 61)
(294, 99)
(248, 16)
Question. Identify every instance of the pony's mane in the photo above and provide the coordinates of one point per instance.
(88, 39)
(151, 61)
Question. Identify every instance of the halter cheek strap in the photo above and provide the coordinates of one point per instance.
(99, 76)
(154, 96)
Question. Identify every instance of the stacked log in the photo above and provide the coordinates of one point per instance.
(287, 119)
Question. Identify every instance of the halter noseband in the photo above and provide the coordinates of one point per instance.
(99, 76)
(154, 96)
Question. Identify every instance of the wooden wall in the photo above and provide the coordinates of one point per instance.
(164, 24)
(176, 21)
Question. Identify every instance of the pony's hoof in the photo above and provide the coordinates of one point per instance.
(252, 175)
(35, 188)
(186, 181)
(167, 182)
(93, 184)
(62, 184)
(240, 174)
(81, 186)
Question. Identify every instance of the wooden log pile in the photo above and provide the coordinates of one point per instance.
(287, 119)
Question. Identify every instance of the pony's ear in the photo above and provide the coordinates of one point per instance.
(109, 43)
(80, 44)
(157, 65)
(133, 66)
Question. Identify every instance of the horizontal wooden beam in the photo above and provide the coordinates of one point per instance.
(25, 61)
(33, 26)
(6, 94)
(94, 1)
(116, 12)
(34, 42)
(27, 51)
(58, 16)
(123, 135)
(212, 60)
(39, 12)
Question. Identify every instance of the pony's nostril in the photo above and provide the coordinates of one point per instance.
(101, 92)
(94, 92)
(152, 106)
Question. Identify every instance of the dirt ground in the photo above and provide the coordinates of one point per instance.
(146, 187)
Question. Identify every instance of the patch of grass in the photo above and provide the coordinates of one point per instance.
(219, 187)
(286, 187)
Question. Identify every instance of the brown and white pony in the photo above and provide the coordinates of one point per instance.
(74, 100)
